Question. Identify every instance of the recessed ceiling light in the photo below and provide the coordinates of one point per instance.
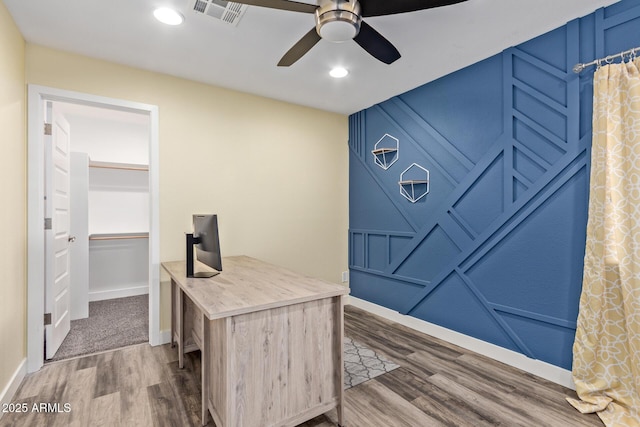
(338, 72)
(168, 16)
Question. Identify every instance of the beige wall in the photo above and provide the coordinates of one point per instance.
(276, 173)
(13, 251)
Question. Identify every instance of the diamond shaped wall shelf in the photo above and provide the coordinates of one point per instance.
(414, 183)
(385, 152)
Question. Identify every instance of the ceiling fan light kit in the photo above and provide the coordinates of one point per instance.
(338, 22)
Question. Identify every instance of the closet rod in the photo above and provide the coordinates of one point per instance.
(631, 53)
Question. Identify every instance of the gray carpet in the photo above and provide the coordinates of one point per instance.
(111, 324)
(362, 364)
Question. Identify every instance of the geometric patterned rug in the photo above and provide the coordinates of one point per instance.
(362, 364)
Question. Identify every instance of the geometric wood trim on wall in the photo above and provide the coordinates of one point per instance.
(495, 249)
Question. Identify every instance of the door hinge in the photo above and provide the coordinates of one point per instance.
(48, 224)
(47, 319)
(47, 128)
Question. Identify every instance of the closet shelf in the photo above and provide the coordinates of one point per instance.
(119, 236)
(121, 166)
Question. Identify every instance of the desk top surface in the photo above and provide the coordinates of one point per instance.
(246, 285)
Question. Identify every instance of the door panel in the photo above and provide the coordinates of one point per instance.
(57, 296)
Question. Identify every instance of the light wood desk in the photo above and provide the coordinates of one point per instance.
(271, 342)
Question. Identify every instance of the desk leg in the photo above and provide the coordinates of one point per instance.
(340, 364)
(173, 313)
(180, 326)
(204, 360)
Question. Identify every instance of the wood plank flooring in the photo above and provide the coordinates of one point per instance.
(438, 384)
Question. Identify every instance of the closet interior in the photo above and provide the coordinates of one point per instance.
(109, 208)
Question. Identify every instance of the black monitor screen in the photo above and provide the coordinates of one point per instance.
(207, 241)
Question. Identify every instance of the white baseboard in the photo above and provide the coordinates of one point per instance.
(536, 367)
(12, 386)
(165, 336)
(119, 293)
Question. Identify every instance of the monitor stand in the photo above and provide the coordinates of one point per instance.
(191, 240)
(204, 274)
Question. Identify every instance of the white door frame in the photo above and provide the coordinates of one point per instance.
(37, 95)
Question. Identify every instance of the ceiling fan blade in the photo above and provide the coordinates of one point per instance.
(298, 50)
(377, 46)
(385, 7)
(281, 4)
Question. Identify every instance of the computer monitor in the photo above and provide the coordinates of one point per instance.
(207, 243)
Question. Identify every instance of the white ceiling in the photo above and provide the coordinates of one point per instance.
(432, 42)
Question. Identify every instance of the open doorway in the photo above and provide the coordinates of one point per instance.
(39, 98)
(108, 249)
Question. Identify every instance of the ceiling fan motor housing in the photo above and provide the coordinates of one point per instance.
(338, 20)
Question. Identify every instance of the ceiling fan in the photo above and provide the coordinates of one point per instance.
(341, 20)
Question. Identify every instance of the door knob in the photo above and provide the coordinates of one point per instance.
(72, 239)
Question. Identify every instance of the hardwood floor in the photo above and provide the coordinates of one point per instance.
(438, 384)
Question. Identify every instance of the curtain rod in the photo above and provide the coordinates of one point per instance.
(631, 52)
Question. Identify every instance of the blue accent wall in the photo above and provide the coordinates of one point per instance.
(495, 250)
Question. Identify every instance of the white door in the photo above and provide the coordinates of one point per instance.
(57, 295)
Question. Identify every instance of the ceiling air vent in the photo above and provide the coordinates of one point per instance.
(226, 11)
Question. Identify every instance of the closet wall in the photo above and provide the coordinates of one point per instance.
(110, 205)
